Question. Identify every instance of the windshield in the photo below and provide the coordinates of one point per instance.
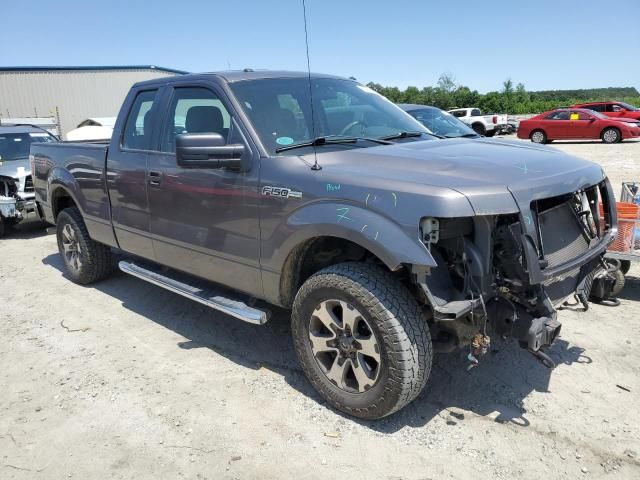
(442, 123)
(15, 146)
(280, 110)
(629, 107)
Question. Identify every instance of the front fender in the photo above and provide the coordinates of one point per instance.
(392, 243)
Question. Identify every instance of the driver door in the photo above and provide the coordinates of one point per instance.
(204, 220)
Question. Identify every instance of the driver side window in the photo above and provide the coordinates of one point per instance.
(194, 110)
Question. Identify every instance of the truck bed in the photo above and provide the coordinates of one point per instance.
(86, 163)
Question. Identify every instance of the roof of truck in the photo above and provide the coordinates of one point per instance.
(20, 128)
(232, 76)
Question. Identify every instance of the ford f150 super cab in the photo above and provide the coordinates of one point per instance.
(487, 125)
(316, 194)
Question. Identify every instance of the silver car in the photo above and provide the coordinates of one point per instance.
(17, 196)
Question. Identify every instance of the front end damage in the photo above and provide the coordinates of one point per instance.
(506, 275)
(11, 205)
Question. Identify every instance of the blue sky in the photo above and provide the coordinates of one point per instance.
(546, 44)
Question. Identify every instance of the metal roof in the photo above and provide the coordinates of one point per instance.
(91, 68)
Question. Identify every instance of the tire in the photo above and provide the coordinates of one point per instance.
(479, 128)
(619, 283)
(387, 322)
(92, 260)
(538, 136)
(625, 266)
(611, 135)
(490, 134)
(2, 227)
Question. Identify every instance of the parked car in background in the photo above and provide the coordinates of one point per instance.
(222, 188)
(487, 125)
(96, 128)
(17, 195)
(612, 109)
(438, 121)
(577, 123)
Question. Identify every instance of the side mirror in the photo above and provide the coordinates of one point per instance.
(207, 150)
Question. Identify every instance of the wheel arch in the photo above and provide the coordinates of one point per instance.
(324, 240)
(60, 199)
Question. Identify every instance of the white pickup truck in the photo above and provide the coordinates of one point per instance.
(487, 125)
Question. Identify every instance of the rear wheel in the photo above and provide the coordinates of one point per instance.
(538, 136)
(86, 260)
(611, 135)
(479, 128)
(361, 339)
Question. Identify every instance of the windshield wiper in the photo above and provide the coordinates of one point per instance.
(398, 135)
(330, 140)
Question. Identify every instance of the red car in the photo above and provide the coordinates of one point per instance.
(577, 123)
(612, 109)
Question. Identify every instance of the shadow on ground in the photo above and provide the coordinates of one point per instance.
(631, 290)
(505, 376)
(30, 228)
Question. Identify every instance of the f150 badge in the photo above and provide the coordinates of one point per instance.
(280, 192)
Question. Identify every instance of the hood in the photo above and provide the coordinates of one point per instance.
(490, 173)
(15, 168)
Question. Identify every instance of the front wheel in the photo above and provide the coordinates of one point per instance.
(611, 135)
(86, 260)
(361, 339)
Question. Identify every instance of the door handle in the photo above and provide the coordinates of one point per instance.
(154, 177)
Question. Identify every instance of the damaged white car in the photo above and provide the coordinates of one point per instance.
(17, 196)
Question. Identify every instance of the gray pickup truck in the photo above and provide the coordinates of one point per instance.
(318, 195)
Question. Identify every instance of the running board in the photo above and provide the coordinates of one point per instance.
(206, 295)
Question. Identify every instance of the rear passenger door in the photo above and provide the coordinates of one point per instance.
(126, 172)
(204, 221)
(556, 125)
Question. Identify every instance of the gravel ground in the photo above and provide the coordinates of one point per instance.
(123, 380)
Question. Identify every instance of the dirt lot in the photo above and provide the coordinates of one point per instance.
(125, 380)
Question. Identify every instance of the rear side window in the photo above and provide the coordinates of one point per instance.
(561, 115)
(137, 129)
(195, 110)
(476, 112)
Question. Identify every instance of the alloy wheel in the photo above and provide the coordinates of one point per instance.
(537, 137)
(344, 346)
(71, 246)
(610, 136)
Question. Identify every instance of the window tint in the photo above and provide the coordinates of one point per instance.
(137, 129)
(458, 113)
(194, 110)
(476, 112)
(561, 115)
